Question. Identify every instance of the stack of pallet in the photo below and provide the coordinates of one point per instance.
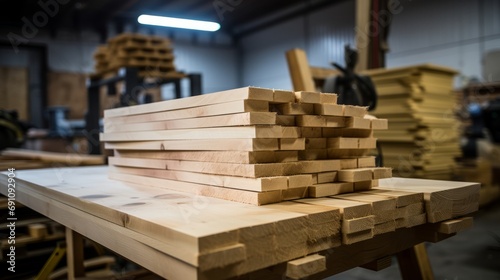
(251, 145)
(423, 136)
(153, 56)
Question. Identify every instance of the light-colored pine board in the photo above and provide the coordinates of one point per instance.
(199, 145)
(70, 159)
(298, 181)
(328, 98)
(290, 132)
(378, 203)
(242, 183)
(295, 109)
(328, 109)
(308, 97)
(197, 133)
(357, 122)
(313, 154)
(319, 121)
(315, 143)
(364, 185)
(311, 132)
(285, 120)
(355, 237)
(294, 193)
(402, 198)
(248, 197)
(367, 143)
(416, 220)
(306, 266)
(254, 118)
(444, 200)
(358, 224)
(455, 225)
(230, 169)
(327, 177)
(348, 209)
(299, 69)
(329, 189)
(292, 144)
(283, 96)
(345, 153)
(355, 111)
(215, 156)
(366, 162)
(354, 175)
(343, 143)
(247, 93)
(348, 163)
(384, 227)
(234, 107)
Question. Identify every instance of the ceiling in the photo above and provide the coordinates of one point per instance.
(237, 17)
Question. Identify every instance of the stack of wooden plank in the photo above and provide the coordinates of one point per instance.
(251, 145)
(207, 238)
(152, 55)
(423, 136)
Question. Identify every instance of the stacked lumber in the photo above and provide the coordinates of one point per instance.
(31, 159)
(152, 55)
(206, 238)
(423, 136)
(251, 145)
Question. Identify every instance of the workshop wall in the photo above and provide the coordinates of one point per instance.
(450, 33)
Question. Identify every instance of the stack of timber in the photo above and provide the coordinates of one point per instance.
(251, 145)
(206, 238)
(30, 159)
(423, 136)
(152, 55)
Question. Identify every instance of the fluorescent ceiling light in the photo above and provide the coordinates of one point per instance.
(179, 23)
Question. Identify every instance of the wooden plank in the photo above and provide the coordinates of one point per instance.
(242, 183)
(234, 107)
(384, 227)
(197, 133)
(348, 163)
(354, 175)
(306, 266)
(328, 98)
(292, 144)
(215, 156)
(308, 97)
(354, 111)
(231, 169)
(366, 162)
(110, 235)
(364, 185)
(315, 143)
(357, 123)
(311, 132)
(327, 177)
(329, 189)
(319, 121)
(255, 198)
(301, 180)
(444, 200)
(254, 118)
(328, 109)
(74, 254)
(343, 143)
(217, 168)
(246, 93)
(402, 198)
(378, 203)
(285, 120)
(283, 96)
(356, 237)
(199, 145)
(358, 224)
(455, 225)
(367, 143)
(348, 209)
(294, 109)
(300, 72)
(71, 159)
(379, 124)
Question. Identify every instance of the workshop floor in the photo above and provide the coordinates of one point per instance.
(472, 254)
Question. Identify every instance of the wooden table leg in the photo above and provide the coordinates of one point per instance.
(414, 263)
(74, 253)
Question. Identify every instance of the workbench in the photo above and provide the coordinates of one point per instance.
(180, 235)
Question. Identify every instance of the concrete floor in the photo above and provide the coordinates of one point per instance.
(472, 254)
